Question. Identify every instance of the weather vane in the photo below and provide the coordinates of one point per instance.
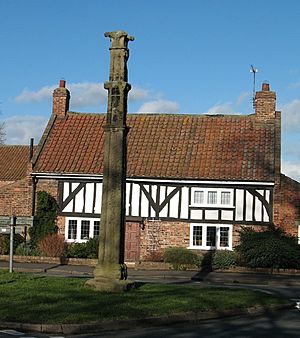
(254, 71)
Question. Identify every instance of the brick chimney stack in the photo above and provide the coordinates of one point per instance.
(61, 99)
(265, 103)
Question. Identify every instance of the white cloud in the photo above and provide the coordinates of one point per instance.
(45, 93)
(221, 108)
(87, 94)
(291, 116)
(138, 94)
(291, 169)
(19, 129)
(83, 94)
(228, 108)
(159, 106)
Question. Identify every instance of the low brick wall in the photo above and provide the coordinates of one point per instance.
(138, 266)
(51, 260)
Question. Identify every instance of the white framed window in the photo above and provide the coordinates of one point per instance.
(210, 236)
(72, 229)
(212, 197)
(85, 230)
(78, 229)
(96, 228)
(198, 196)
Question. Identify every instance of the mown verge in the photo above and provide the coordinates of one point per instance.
(30, 298)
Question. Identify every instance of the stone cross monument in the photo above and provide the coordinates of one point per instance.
(110, 273)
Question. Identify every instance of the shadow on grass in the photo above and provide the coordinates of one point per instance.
(61, 300)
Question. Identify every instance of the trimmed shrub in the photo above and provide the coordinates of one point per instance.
(76, 250)
(224, 259)
(182, 258)
(268, 249)
(24, 249)
(46, 213)
(92, 247)
(84, 250)
(5, 243)
(52, 245)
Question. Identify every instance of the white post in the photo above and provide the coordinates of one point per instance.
(11, 246)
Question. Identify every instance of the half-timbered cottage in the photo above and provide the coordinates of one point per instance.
(192, 180)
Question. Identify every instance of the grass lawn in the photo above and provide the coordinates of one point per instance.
(38, 299)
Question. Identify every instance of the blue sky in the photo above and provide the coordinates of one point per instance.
(189, 56)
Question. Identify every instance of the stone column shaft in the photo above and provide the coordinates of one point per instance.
(110, 272)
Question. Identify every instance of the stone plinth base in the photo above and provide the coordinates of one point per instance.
(110, 285)
(110, 277)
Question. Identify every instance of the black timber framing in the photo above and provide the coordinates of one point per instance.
(157, 206)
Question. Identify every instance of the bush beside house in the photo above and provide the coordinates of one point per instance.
(182, 258)
(272, 248)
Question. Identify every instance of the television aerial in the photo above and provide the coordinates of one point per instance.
(253, 70)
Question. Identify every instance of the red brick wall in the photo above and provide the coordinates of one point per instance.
(238, 227)
(287, 205)
(158, 235)
(16, 197)
(61, 225)
(50, 186)
(3, 183)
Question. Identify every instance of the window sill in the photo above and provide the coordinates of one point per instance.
(209, 248)
(211, 206)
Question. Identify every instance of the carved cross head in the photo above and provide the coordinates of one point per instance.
(119, 39)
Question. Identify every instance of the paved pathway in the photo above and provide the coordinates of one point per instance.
(161, 276)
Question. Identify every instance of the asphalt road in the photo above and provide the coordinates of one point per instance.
(282, 325)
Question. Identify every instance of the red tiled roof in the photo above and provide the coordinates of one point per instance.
(166, 146)
(13, 162)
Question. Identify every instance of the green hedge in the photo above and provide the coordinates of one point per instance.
(182, 258)
(268, 249)
(46, 212)
(24, 249)
(224, 259)
(5, 243)
(84, 250)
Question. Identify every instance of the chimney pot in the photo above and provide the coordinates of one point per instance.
(62, 83)
(265, 87)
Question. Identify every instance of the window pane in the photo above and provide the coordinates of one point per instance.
(199, 197)
(197, 235)
(96, 228)
(211, 236)
(212, 197)
(225, 197)
(85, 229)
(224, 237)
(72, 229)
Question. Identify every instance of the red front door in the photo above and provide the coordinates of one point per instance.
(132, 242)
